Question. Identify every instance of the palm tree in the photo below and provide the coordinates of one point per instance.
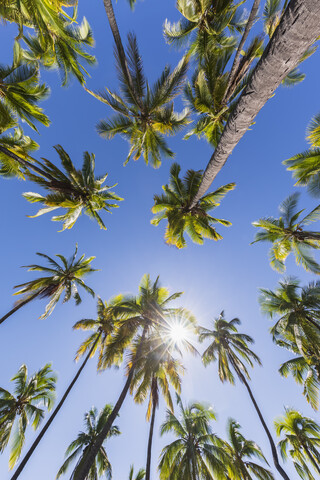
(298, 307)
(78, 449)
(175, 206)
(206, 25)
(103, 326)
(75, 190)
(155, 370)
(140, 475)
(212, 96)
(145, 115)
(305, 370)
(197, 453)
(18, 144)
(288, 235)
(20, 91)
(305, 166)
(296, 32)
(231, 349)
(136, 316)
(31, 396)
(57, 41)
(301, 442)
(65, 278)
(241, 450)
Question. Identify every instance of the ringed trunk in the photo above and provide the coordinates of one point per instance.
(298, 29)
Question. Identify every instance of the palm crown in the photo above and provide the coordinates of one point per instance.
(175, 206)
(301, 441)
(65, 278)
(240, 451)
(78, 449)
(31, 395)
(145, 115)
(75, 190)
(197, 452)
(288, 235)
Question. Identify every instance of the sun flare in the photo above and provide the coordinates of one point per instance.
(178, 332)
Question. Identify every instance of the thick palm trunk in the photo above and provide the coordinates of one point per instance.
(246, 32)
(53, 415)
(21, 304)
(149, 451)
(266, 429)
(84, 470)
(117, 38)
(298, 29)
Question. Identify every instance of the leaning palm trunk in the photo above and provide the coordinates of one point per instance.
(19, 305)
(298, 29)
(312, 460)
(53, 415)
(91, 455)
(153, 416)
(120, 50)
(266, 429)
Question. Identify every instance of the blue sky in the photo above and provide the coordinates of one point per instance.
(216, 276)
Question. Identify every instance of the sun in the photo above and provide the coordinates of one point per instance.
(178, 332)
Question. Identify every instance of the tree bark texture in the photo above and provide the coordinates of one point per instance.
(298, 30)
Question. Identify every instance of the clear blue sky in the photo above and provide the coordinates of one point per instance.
(219, 275)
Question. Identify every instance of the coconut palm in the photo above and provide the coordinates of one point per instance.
(20, 92)
(298, 308)
(17, 143)
(295, 33)
(231, 349)
(241, 450)
(206, 25)
(305, 166)
(75, 190)
(197, 453)
(301, 441)
(305, 371)
(211, 95)
(287, 235)
(157, 369)
(140, 475)
(65, 278)
(78, 449)
(103, 326)
(32, 395)
(137, 316)
(175, 206)
(144, 115)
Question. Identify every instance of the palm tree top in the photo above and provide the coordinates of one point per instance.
(175, 206)
(74, 190)
(64, 276)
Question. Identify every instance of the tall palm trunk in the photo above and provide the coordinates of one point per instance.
(266, 429)
(20, 304)
(53, 415)
(121, 53)
(86, 465)
(298, 29)
(149, 451)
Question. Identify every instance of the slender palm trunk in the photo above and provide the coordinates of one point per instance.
(315, 324)
(298, 29)
(117, 38)
(53, 415)
(246, 32)
(84, 470)
(308, 235)
(312, 460)
(266, 429)
(21, 304)
(149, 451)
(24, 163)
